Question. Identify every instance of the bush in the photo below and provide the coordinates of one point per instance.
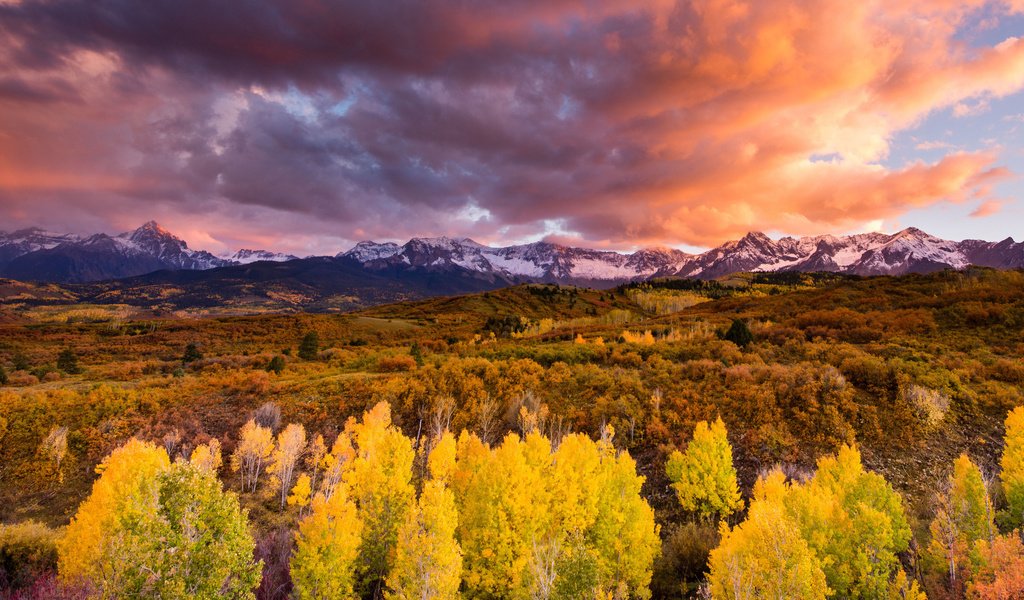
(683, 562)
(3, 376)
(391, 364)
(28, 551)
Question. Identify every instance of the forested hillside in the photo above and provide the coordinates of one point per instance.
(538, 441)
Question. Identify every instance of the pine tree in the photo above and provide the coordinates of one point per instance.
(1012, 464)
(3, 376)
(739, 333)
(276, 365)
(704, 477)
(67, 361)
(191, 353)
(309, 347)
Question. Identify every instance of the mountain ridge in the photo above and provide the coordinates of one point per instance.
(36, 255)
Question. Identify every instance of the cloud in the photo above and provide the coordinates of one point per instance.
(933, 145)
(628, 123)
(987, 209)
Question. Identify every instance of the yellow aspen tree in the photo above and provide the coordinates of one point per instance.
(291, 442)
(156, 530)
(704, 477)
(335, 462)
(379, 477)
(301, 492)
(252, 454)
(87, 543)
(964, 516)
(207, 456)
(854, 522)
(502, 503)
(428, 561)
(626, 538)
(1012, 464)
(55, 448)
(315, 455)
(765, 556)
(326, 551)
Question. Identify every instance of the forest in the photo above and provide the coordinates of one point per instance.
(760, 436)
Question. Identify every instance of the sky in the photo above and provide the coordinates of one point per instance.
(307, 125)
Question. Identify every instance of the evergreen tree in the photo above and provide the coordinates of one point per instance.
(3, 376)
(309, 347)
(67, 361)
(704, 477)
(739, 333)
(191, 353)
(276, 365)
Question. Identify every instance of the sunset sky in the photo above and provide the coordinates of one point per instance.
(308, 125)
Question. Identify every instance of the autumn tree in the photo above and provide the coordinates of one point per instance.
(323, 566)
(55, 448)
(379, 477)
(207, 457)
(1012, 464)
(765, 556)
(704, 477)
(998, 572)
(854, 522)
(428, 559)
(252, 454)
(290, 444)
(963, 517)
(153, 529)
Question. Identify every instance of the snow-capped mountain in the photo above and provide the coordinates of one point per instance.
(246, 256)
(908, 251)
(36, 255)
(539, 261)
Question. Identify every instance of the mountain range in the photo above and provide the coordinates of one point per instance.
(151, 255)
(36, 255)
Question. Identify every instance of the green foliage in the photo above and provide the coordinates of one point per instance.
(28, 550)
(739, 333)
(4, 378)
(309, 347)
(276, 365)
(766, 556)
(704, 477)
(152, 529)
(67, 361)
(191, 354)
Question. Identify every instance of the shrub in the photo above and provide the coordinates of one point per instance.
(276, 365)
(393, 364)
(309, 348)
(191, 353)
(739, 333)
(28, 550)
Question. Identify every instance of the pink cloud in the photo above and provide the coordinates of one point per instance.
(987, 209)
(628, 123)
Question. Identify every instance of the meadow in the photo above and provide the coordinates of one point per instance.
(729, 406)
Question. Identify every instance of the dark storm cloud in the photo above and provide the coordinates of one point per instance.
(627, 122)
